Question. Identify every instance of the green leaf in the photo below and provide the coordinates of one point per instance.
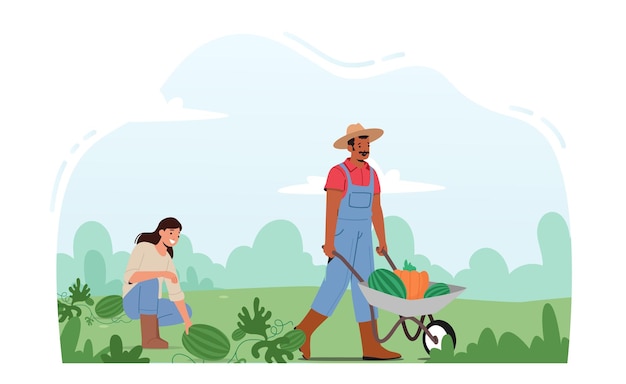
(256, 325)
(135, 352)
(67, 311)
(408, 266)
(88, 349)
(274, 351)
(80, 294)
(116, 345)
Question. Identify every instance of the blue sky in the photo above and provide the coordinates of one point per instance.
(258, 122)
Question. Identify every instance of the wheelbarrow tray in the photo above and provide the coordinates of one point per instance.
(408, 308)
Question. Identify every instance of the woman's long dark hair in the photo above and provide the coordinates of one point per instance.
(154, 237)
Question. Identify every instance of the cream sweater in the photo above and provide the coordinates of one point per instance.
(146, 258)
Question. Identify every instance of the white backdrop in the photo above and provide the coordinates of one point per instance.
(70, 67)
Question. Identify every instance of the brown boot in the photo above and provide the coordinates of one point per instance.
(150, 337)
(372, 350)
(309, 324)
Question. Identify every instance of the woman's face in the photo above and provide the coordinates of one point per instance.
(169, 236)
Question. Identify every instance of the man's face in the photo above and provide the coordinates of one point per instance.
(361, 149)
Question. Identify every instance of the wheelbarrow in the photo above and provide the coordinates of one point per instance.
(416, 310)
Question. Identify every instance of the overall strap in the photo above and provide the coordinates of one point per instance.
(349, 178)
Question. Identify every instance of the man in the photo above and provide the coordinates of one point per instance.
(352, 207)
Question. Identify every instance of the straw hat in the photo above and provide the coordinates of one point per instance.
(356, 130)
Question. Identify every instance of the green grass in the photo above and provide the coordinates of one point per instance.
(337, 339)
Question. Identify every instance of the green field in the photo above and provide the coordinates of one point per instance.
(337, 340)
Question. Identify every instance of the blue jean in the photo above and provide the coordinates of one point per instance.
(354, 242)
(143, 299)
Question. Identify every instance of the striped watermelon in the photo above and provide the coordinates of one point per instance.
(384, 280)
(437, 289)
(238, 334)
(295, 339)
(206, 342)
(109, 306)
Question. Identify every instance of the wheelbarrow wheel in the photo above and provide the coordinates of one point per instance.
(438, 328)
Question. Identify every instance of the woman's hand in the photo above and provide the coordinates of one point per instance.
(182, 309)
(172, 276)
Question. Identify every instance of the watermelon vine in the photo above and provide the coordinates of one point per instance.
(79, 299)
(68, 307)
(278, 346)
(69, 311)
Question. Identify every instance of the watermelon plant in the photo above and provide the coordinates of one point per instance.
(68, 308)
(385, 281)
(277, 347)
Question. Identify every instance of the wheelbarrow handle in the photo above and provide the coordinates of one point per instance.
(354, 272)
(393, 266)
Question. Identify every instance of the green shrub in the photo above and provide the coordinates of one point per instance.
(69, 344)
(509, 348)
(119, 355)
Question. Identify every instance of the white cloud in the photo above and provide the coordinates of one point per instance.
(158, 109)
(313, 186)
(390, 182)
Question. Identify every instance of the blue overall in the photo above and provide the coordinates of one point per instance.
(353, 240)
(143, 299)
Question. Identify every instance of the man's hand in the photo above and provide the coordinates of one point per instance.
(333, 200)
(329, 250)
(187, 325)
(382, 247)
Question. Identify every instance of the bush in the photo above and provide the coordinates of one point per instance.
(509, 348)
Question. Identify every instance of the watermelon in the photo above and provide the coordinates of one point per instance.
(295, 338)
(385, 281)
(437, 289)
(238, 334)
(206, 342)
(109, 306)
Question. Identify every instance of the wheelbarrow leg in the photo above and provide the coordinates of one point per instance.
(406, 330)
(421, 325)
(375, 328)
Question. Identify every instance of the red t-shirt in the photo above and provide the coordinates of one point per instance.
(359, 176)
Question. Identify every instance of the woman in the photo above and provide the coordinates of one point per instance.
(149, 266)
